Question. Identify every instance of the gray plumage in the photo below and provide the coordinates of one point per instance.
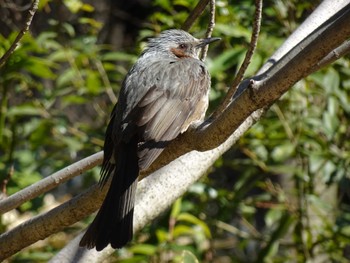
(163, 93)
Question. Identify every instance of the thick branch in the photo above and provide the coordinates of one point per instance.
(39, 227)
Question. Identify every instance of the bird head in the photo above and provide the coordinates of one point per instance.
(178, 43)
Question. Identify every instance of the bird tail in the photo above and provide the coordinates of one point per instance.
(113, 223)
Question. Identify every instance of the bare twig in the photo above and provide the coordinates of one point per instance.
(50, 182)
(210, 29)
(6, 180)
(252, 46)
(340, 51)
(196, 12)
(14, 45)
(106, 81)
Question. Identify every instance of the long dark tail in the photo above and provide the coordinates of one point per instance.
(113, 223)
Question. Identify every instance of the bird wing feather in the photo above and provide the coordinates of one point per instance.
(164, 111)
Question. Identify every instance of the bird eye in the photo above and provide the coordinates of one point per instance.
(183, 46)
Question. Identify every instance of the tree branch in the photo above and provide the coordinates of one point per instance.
(196, 12)
(252, 46)
(41, 226)
(210, 28)
(21, 33)
(50, 182)
(335, 54)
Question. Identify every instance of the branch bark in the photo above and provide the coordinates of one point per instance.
(250, 52)
(50, 182)
(197, 11)
(21, 33)
(210, 29)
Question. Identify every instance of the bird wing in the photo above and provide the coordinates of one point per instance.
(177, 96)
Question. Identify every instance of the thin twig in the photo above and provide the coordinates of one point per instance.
(14, 45)
(337, 53)
(196, 12)
(210, 29)
(246, 62)
(6, 180)
(50, 182)
(106, 82)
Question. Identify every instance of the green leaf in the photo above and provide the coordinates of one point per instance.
(233, 31)
(144, 249)
(73, 5)
(25, 110)
(63, 55)
(162, 235)
(73, 144)
(74, 99)
(226, 60)
(331, 81)
(331, 124)
(272, 217)
(67, 77)
(93, 82)
(181, 230)
(69, 29)
(40, 68)
(90, 21)
(118, 56)
(194, 220)
(135, 259)
(87, 8)
(176, 208)
(188, 257)
(282, 152)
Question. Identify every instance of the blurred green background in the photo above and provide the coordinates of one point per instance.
(279, 195)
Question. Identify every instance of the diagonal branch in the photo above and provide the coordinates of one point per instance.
(335, 54)
(50, 182)
(210, 29)
(196, 12)
(21, 33)
(252, 46)
(39, 227)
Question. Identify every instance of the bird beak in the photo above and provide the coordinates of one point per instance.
(206, 41)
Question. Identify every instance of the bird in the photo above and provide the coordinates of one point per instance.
(163, 94)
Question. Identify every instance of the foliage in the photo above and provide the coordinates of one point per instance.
(280, 195)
